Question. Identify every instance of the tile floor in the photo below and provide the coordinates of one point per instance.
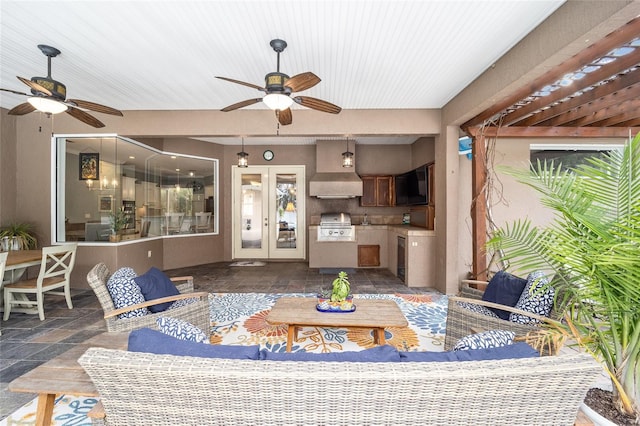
(27, 342)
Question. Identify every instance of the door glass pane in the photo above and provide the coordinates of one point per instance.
(286, 210)
(251, 206)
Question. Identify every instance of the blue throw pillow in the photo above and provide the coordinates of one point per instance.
(517, 350)
(125, 292)
(384, 353)
(504, 289)
(154, 284)
(182, 330)
(485, 340)
(155, 342)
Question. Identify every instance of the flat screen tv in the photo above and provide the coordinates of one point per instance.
(412, 187)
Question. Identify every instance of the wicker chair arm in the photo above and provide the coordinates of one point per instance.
(504, 308)
(201, 295)
(185, 278)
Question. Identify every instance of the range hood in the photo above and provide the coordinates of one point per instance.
(331, 180)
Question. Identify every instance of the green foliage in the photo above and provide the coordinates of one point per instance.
(24, 234)
(593, 248)
(117, 220)
(341, 287)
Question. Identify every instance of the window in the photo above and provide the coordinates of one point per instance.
(569, 155)
(101, 175)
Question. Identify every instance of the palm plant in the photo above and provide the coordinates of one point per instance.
(23, 233)
(593, 248)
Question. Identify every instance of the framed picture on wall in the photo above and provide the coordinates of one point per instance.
(105, 203)
(89, 165)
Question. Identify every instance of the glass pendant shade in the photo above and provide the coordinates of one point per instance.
(243, 157)
(347, 157)
(47, 105)
(277, 101)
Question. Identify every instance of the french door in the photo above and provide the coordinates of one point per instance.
(268, 212)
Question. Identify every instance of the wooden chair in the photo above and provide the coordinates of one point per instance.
(202, 221)
(173, 222)
(196, 313)
(55, 273)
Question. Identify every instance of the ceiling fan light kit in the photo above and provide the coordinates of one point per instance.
(50, 96)
(47, 105)
(278, 89)
(276, 101)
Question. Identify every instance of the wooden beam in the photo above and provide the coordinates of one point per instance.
(628, 80)
(622, 35)
(603, 73)
(556, 132)
(479, 207)
(633, 113)
(603, 114)
(580, 116)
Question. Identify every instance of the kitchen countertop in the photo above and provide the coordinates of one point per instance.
(401, 229)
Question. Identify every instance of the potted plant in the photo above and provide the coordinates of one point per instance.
(339, 298)
(592, 247)
(118, 220)
(18, 236)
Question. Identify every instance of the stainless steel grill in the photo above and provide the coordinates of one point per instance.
(336, 227)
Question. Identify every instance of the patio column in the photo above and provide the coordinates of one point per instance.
(479, 206)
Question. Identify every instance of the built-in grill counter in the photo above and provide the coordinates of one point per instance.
(376, 246)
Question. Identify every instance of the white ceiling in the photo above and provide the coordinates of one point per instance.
(163, 55)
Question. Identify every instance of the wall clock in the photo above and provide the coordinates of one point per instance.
(268, 155)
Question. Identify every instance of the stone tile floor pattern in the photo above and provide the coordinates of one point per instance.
(27, 342)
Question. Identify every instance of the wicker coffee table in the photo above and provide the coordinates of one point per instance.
(375, 314)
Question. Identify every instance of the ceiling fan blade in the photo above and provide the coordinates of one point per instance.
(262, 89)
(317, 104)
(95, 107)
(14, 91)
(35, 86)
(84, 117)
(303, 81)
(22, 109)
(284, 116)
(241, 104)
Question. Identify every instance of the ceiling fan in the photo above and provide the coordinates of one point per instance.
(50, 96)
(278, 89)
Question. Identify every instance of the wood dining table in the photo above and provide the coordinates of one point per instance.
(17, 263)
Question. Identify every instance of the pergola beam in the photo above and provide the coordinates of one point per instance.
(555, 132)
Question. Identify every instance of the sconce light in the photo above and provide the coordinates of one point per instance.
(243, 157)
(89, 183)
(290, 207)
(347, 157)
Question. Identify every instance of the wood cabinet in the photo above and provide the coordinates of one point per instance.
(377, 191)
(368, 255)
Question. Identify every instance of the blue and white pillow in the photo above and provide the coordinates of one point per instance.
(537, 298)
(485, 340)
(479, 309)
(182, 302)
(182, 330)
(125, 292)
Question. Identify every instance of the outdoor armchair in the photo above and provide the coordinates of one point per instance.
(462, 322)
(196, 312)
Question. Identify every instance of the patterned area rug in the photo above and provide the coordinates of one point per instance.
(239, 319)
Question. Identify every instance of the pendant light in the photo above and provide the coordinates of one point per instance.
(347, 157)
(243, 157)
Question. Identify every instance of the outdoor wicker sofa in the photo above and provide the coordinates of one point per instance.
(144, 388)
(196, 313)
